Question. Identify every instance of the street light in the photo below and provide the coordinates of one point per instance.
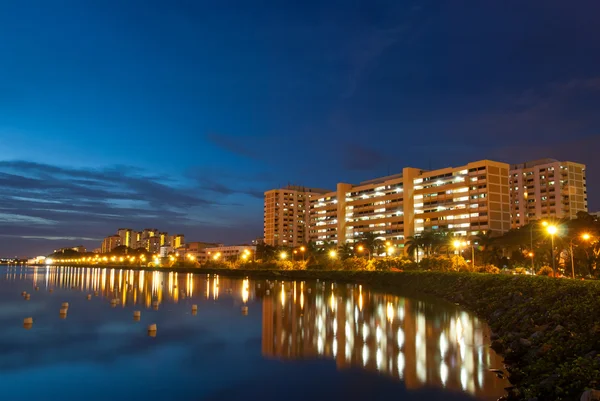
(531, 255)
(302, 249)
(552, 230)
(390, 251)
(283, 255)
(460, 244)
(362, 248)
(332, 254)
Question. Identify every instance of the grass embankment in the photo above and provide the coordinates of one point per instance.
(547, 329)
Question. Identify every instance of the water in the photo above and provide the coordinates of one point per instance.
(299, 341)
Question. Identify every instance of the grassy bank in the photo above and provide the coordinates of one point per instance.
(547, 329)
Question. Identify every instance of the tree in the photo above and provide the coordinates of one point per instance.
(485, 241)
(345, 251)
(413, 244)
(372, 243)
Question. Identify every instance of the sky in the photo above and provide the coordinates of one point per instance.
(179, 114)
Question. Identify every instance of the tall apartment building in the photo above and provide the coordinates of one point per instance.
(462, 200)
(111, 242)
(177, 241)
(286, 215)
(547, 188)
(126, 235)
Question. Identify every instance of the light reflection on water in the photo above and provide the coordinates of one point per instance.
(422, 343)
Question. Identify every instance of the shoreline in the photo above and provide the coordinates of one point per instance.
(544, 328)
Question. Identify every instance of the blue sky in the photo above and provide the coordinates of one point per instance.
(179, 114)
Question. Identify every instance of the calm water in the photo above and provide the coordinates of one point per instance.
(296, 340)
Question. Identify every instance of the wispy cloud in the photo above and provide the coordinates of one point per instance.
(43, 201)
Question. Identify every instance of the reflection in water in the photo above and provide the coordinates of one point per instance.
(423, 343)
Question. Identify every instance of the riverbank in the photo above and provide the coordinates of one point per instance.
(548, 330)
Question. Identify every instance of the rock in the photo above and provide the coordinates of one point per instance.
(590, 395)
(536, 335)
(549, 383)
(524, 342)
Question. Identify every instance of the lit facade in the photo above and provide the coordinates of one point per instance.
(547, 188)
(460, 200)
(286, 215)
(227, 252)
(111, 242)
(126, 235)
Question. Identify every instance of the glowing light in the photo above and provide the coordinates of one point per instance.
(586, 237)
(283, 255)
(245, 290)
(551, 229)
(332, 254)
(400, 338)
(390, 312)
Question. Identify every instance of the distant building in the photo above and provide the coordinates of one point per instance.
(153, 244)
(258, 241)
(228, 252)
(286, 215)
(110, 243)
(165, 250)
(177, 241)
(80, 248)
(164, 237)
(39, 260)
(126, 235)
(547, 188)
(198, 249)
(97, 250)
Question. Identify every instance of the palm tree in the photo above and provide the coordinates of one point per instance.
(371, 243)
(345, 251)
(413, 244)
(428, 239)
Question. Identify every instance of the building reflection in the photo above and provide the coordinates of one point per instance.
(422, 343)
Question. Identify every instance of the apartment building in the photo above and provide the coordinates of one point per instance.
(111, 242)
(126, 235)
(547, 188)
(286, 215)
(462, 200)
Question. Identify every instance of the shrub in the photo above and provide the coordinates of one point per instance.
(356, 264)
(487, 269)
(545, 271)
(445, 263)
(398, 263)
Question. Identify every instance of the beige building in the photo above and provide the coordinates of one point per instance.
(286, 215)
(111, 242)
(547, 188)
(127, 237)
(462, 200)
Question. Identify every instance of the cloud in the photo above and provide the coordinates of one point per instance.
(233, 145)
(53, 203)
(362, 157)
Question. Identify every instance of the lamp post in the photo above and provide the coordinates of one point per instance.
(532, 267)
(283, 255)
(458, 245)
(302, 249)
(332, 254)
(552, 231)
